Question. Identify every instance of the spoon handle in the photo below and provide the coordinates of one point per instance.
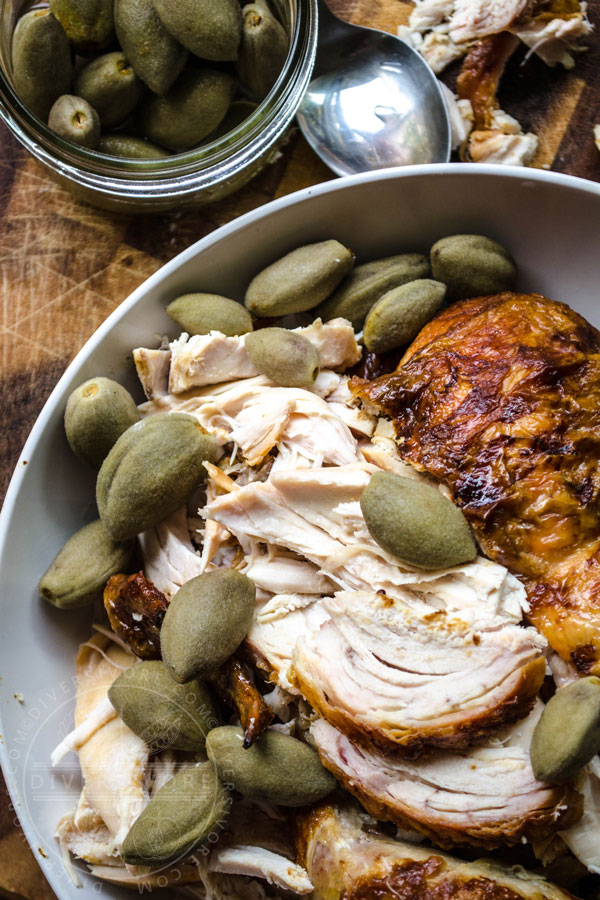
(333, 33)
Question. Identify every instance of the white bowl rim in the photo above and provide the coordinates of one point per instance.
(337, 184)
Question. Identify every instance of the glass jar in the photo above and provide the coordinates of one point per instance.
(198, 176)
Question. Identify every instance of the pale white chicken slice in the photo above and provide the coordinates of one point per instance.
(505, 149)
(113, 759)
(170, 558)
(286, 575)
(427, 14)
(316, 514)
(83, 833)
(392, 679)
(473, 19)
(553, 40)
(213, 358)
(259, 863)
(486, 797)
(347, 856)
(276, 626)
(152, 367)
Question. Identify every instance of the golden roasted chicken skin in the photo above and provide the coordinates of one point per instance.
(499, 398)
(348, 859)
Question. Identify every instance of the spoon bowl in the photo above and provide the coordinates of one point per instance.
(373, 101)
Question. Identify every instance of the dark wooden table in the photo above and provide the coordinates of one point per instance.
(66, 266)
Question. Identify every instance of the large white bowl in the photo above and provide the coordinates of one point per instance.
(551, 223)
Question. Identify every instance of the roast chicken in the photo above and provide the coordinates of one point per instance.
(498, 398)
(348, 859)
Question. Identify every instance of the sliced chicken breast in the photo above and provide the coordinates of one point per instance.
(486, 797)
(401, 682)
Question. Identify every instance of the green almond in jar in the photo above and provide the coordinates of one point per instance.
(96, 415)
(152, 470)
(206, 622)
(203, 313)
(300, 280)
(278, 768)
(472, 265)
(129, 147)
(263, 50)
(567, 735)
(41, 61)
(157, 58)
(89, 24)
(415, 523)
(80, 570)
(162, 712)
(286, 358)
(193, 108)
(210, 29)
(110, 85)
(367, 283)
(397, 318)
(75, 120)
(184, 812)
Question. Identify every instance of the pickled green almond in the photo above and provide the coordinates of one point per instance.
(300, 280)
(162, 712)
(130, 147)
(401, 313)
(152, 470)
(278, 768)
(201, 313)
(472, 266)
(415, 523)
(75, 120)
(205, 623)
(111, 86)
(155, 55)
(89, 24)
(210, 29)
(567, 735)
(178, 818)
(288, 359)
(96, 415)
(79, 572)
(194, 107)
(367, 283)
(41, 61)
(237, 113)
(263, 50)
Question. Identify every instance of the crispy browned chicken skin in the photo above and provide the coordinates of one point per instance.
(499, 398)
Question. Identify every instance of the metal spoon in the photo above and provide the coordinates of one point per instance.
(373, 101)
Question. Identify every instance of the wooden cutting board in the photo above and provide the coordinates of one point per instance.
(66, 266)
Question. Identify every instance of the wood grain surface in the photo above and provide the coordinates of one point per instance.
(65, 266)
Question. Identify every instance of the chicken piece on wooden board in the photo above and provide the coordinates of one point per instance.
(205, 359)
(499, 399)
(472, 19)
(348, 859)
(486, 797)
(402, 683)
(316, 513)
(492, 139)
